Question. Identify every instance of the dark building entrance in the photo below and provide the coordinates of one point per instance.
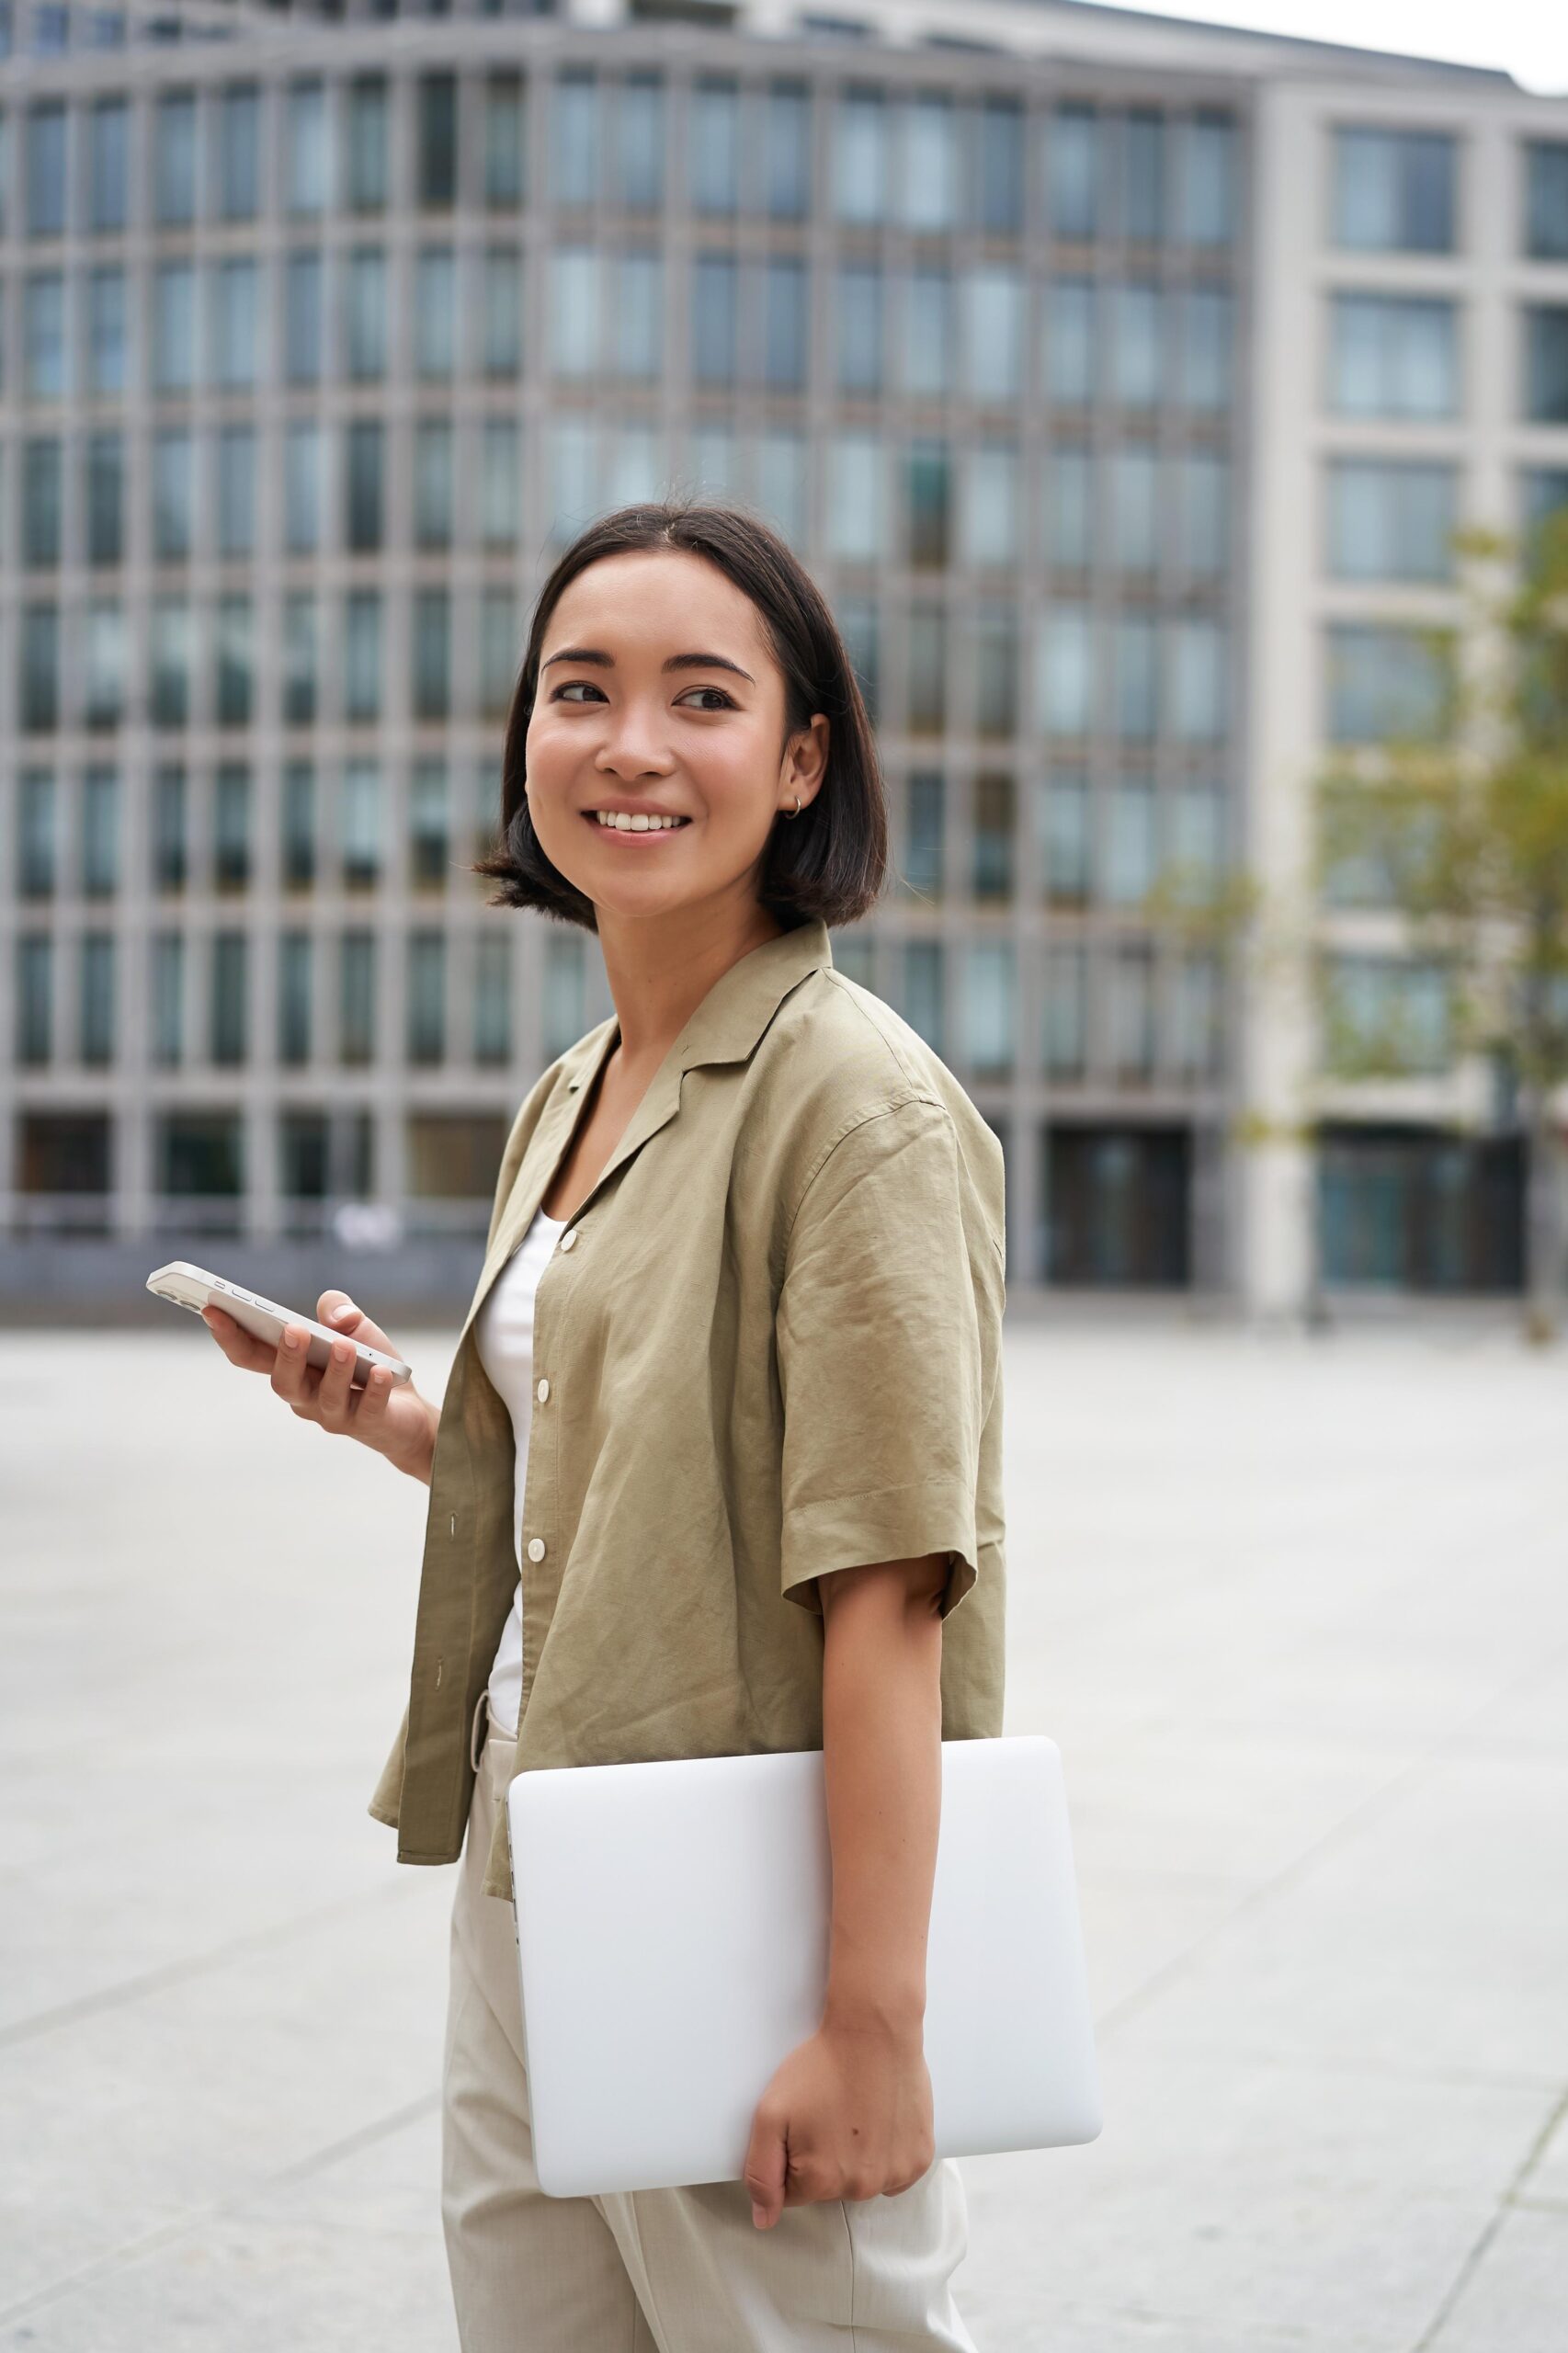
(1117, 1211)
(1418, 1210)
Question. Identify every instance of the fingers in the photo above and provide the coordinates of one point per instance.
(764, 2175)
(240, 1348)
(337, 1312)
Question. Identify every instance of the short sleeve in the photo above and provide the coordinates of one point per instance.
(886, 1342)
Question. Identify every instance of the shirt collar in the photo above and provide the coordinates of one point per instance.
(729, 1020)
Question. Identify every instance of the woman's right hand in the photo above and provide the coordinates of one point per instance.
(390, 1417)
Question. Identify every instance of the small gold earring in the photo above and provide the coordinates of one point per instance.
(792, 813)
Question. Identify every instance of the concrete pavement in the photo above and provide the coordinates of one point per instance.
(1297, 1612)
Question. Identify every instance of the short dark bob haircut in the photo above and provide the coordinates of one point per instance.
(830, 862)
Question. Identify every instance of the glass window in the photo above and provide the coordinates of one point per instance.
(364, 320)
(299, 659)
(1137, 677)
(928, 334)
(1139, 371)
(426, 981)
(432, 654)
(295, 983)
(924, 988)
(927, 669)
(498, 651)
(1546, 200)
(362, 531)
(713, 319)
(1195, 819)
(168, 999)
(1073, 171)
(38, 685)
(575, 138)
(1389, 1013)
(1064, 670)
(45, 376)
(1208, 204)
(1391, 519)
(360, 814)
(1208, 326)
(429, 827)
(856, 518)
(858, 323)
(357, 997)
(1062, 807)
(1143, 178)
(1199, 651)
(435, 312)
(173, 495)
(108, 167)
(95, 1004)
(103, 663)
(42, 478)
(1067, 485)
(781, 483)
(500, 483)
(306, 150)
(991, 874)
(36, 843)
(640, 317)
(1071, 375)
(1544, 489)
(438, 139)
(234, 290)
(993, 505)
(713, 147)
(786, 152)
(504, 155)
(503, 311)
(302, 318)
(232, 698)
(100, 833)
(923, 850)
(994, 670)
(1384, 682)
(1064, 1008)
(231, 826)
(239, 155)
(859, 156)
(575, 311)
(365, 145)
(174, 159)
(299, 825)
(173, 327)
(1127, 874)
(995, 300)
(493, 999)
(1135, 506)
(107, 367)
(1393, 354)
(105, 501)
(1203, 495)
(930, 163)
(989, 999)
(169, 853)
(171, 653)
(564, 995)
(1129, 1012)
(433, 483)
(1546, 363)
(1393, 192)
(362, 656)
(301, 487)
(35, 998)
(1001, 166)
(929, 501)
(45, 161)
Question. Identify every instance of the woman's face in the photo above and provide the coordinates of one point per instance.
(657, 695)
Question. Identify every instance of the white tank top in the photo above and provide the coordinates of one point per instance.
(503, 1334)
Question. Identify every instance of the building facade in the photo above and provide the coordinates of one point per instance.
(319, 338)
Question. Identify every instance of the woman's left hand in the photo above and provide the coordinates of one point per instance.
(847, 2115)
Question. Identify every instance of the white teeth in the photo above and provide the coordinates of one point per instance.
(624, 823)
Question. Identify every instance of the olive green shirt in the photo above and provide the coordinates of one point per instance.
(766, 1345)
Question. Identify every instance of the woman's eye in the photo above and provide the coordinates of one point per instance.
(726, 702)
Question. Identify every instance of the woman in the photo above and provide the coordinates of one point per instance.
(720, 1452)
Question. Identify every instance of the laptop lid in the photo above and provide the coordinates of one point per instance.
(673, 1925)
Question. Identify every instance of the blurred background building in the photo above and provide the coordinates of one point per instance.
(1121, 383)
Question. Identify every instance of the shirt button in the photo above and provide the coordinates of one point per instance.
(536, 1548)
(543, 1391)
(569, 1241)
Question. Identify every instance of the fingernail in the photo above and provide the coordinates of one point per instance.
(757, 2216)
(342, 1352)
(290, 1339)
(339, 1312)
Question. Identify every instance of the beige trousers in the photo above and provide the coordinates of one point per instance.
(652, 2270)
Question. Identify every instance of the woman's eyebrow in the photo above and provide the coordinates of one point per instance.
(677, 661)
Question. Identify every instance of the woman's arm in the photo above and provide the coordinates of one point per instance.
(848, 2114)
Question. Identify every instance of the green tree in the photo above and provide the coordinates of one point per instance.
(1463, 830)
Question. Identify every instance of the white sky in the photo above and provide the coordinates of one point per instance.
(1529, 38)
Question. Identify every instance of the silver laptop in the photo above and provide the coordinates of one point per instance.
(672, 1942)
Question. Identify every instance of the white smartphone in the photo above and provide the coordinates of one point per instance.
(193, 1287)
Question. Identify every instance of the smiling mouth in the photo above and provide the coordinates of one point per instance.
(643, 828)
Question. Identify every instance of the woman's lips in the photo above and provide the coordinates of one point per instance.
(632, 834)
